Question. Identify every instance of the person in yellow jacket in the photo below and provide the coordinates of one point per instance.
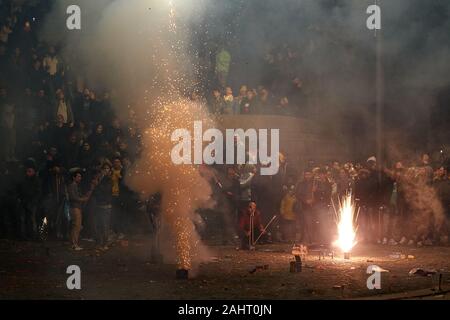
(288, 213)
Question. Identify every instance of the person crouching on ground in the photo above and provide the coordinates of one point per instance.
(77, 201)
(245, 225)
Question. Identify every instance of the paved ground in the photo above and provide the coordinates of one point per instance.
(38, 271)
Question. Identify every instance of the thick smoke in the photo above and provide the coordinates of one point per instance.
(127, 45)
(183, 188)
(133, 47)
(139, 49)
(336, 56)
(337, 60)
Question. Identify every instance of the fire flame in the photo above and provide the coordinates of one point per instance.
(346, 219)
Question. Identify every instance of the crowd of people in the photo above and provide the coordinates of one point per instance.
(407, 204)
(65, 153)
(259, 101)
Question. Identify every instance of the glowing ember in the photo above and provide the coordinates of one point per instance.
(346, 219)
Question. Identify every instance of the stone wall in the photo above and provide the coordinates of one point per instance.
(300, 139)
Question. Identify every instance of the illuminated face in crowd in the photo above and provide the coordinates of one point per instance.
(30, 172)
(77, 178)
(86, 146)
(264, 94)
(117, 164)
(308, 176)
(99, 129)
(441, 172)
(243, 91)
(73, 139)
(216, 94)
(106, 170)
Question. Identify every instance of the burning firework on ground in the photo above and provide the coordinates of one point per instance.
(183, 188)
(346, 219)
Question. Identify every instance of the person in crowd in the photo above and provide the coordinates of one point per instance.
(97, 138)
(399, 206)
(249, 216)
(242, 94)
(83, 107)
(58, 134)
(43, 107)
(217, 103)
(29, 195)
(248, 104)
(246, 175)
(77, 202)
(10, 177)
(288, 213)
(37, 76)
(265, 103)
(298, 97)
(388, 217)
(373, 206)
(71, 151)
(86, 156)
(103, 206)
(308, 219)
(344, 183)
(55, 199)
(441, 184)
(230, 102)
(322, 204)
(283, 107)
(119, 218)
(52, 65)
(114, 131)
(82, 132)
(225, 184)
(63, 109)
(426, 168)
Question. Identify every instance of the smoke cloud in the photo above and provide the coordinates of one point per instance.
(139, 48)
(153, 52)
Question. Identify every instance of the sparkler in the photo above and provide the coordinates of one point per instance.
(43, 229)
(346, 220)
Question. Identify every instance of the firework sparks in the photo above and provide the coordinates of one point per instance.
(346, 220)
(183, 188)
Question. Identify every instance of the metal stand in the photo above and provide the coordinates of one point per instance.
(252, 233)
(182, 274)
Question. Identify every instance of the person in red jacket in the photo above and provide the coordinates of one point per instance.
(245, 220)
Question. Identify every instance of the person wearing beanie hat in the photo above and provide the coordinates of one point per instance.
(372, 159)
